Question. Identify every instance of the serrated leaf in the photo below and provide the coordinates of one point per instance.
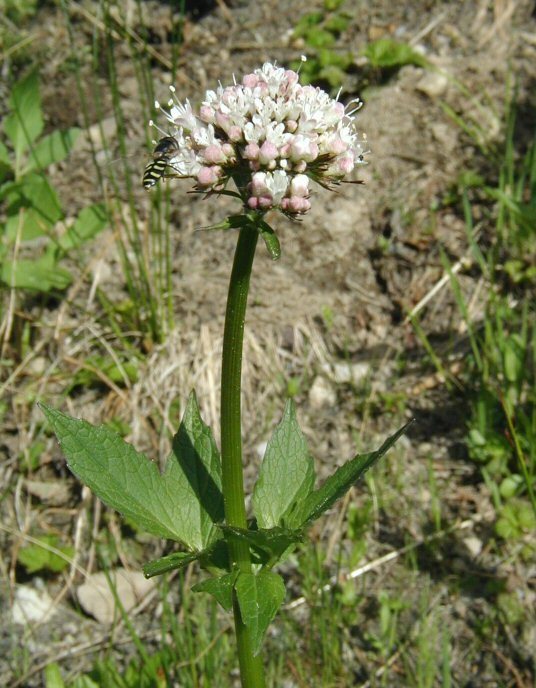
(87, 225)
(4, 155)
(342, 480)
(39, 275)
(286, 476)
(259, 597)
(195, 454)
(25, 121)
(52, 675)
(171, 562)
(37, 558)
(269, 545)
(5, 163)
(180, 504)
(220, 588)
(387, 53)
(52, 148)
(39, 204)
(27, 224)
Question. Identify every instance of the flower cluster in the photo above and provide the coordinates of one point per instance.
(269, 134)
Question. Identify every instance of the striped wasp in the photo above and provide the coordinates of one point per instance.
(163, 152)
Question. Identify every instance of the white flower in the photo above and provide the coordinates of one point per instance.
(268, 133)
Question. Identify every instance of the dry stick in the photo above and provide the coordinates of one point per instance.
(7, 324)
(390, 556)
(462, 263)
(104, 28)
(428, 28)
(29, 356)
(98, 373)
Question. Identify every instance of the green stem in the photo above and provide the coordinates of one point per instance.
(251, 668)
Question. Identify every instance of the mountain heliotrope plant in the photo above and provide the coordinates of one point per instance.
(269, 138)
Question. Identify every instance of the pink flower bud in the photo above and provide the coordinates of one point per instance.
(338, 109)
(291, 125)
(266, 202)
(299, 185)
(207, 176)
(302, 148)
(268, 152)
(258, 184)
(214, 154)
(345, 164)
(298, 205)
(284, 151)
(235, 133)
(335, 146)
(253, 202)
(251, 152)
(291, 76)
(223, 121)
(206, 113)
(250, 80)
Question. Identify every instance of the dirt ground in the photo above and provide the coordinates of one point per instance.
(332, 312)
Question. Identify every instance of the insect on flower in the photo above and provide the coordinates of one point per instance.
(164, 150)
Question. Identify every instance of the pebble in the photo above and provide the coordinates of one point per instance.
(97, 600)
(432, 84)
(322, 393)
(31, 605)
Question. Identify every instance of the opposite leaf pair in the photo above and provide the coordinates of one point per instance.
(185, 502)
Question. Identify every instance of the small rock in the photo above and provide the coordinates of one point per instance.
(96, 598)
(322, 393)
(473, 544)
(31, 605)
(351, 372)
(432, 84)
(37, 366)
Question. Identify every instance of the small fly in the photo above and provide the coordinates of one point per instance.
(164, 150)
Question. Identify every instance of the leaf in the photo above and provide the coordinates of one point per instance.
(37, 200)
(180, 504)
(36, 275)
(220, 588)
(5, 163)
(386, 53)
(259, 597)
(269, 545)
(36, 558)
(4, 155)
(53, 677)
(177, 560)
(286, 476)
(270, 239)
(88, 224)
(25, 122)
(342, 480)
(52, 148)
(194, 452)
